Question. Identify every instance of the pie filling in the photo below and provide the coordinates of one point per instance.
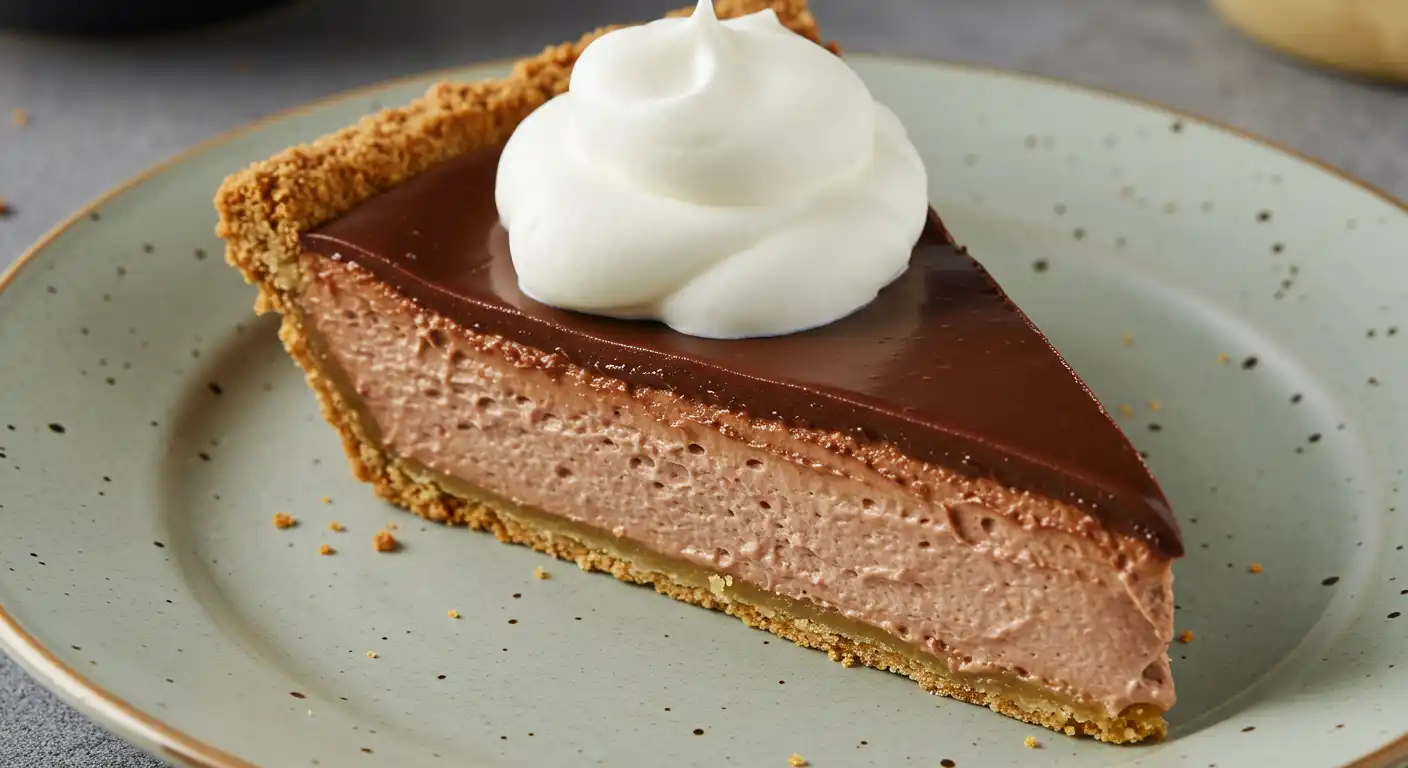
(1001, 591)
(941, 367)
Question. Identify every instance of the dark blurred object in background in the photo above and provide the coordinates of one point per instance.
(115, 17)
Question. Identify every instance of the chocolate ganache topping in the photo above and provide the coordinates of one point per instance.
(941, 365)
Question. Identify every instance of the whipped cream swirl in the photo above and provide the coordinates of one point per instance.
(730, 179)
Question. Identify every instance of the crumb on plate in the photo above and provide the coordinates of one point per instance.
(1031, 742)
(325, 549)
(371, 654)
(1126, 340)
(383, 541)
(796, 760)
(1256, 568)
(336, 527)
(540, 574)
(1155, 405)
(1186, 636)
(1224, 358)
(326, 499)
(283, 520)
(19, 118)
(453, 614)
(1126, 410)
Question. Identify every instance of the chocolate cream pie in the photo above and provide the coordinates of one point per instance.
(890, 463)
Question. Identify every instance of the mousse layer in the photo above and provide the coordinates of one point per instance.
(941, 366)
(974, 574)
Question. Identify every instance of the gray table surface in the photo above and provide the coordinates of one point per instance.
(103, 111)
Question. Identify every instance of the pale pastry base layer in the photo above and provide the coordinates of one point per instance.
(450, 501)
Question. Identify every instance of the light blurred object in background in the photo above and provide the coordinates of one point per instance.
(1363, 37)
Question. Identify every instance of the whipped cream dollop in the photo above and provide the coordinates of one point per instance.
(730, 179)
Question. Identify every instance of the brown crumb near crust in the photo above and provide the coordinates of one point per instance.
(1186, 636)
(392, 526)
(453, 614)
(326, 499)
(797, 761)
(1126, 410)
(1155, 405)
(1031, 742)
(1224, 358)
(325, 549)
(4, 206)
(383, 541)
(336, 527)
(371, 654)
(19, 118)
(1127, 340)
(1256, 568)
(540, 574)
(283, 520)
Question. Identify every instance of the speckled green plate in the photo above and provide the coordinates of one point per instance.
(1246, 311)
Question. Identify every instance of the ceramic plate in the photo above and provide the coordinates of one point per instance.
(1243, 312)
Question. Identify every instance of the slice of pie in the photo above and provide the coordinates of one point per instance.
(923, 486)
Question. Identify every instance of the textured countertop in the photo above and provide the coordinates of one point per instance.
(101, 111)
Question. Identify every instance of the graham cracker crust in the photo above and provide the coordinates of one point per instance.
(266, 207)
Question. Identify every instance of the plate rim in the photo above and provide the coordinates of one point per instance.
(130, 723)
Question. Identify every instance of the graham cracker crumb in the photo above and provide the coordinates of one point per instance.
(383, 541)
(324, 549)
(1256, 568)
(336, 527)
(1155, 405)
(1126, 410)
(326, 499)
(1186, 636)
(283, 520)
(453, 614)
(393, 526)
(1224, 358)
(797, 761)
(1031, 742)
(371, 654)
(540, 574)
(19, 118)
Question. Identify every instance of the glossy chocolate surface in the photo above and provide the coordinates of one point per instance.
(942, 365)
